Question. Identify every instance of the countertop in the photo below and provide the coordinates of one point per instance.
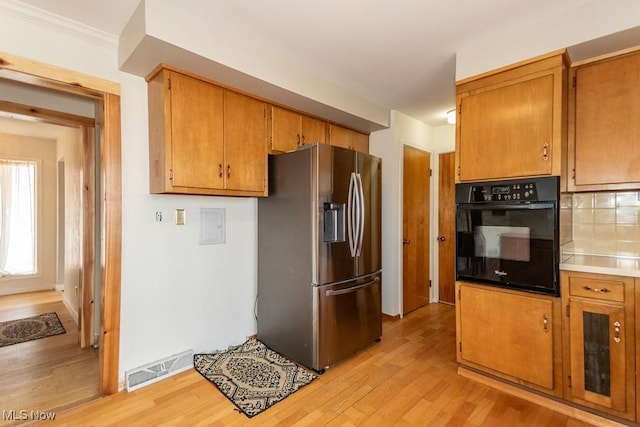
(603, 265)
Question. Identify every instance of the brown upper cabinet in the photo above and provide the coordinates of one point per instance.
(290, 130)
(511, 122)
(604, 125)
(204, 139)
(347, 138)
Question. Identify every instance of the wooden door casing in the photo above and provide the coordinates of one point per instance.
(446, 228)
(416, 194)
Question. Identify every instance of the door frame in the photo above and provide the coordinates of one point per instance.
(107, 95)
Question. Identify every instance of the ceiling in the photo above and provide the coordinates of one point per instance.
(399, 55)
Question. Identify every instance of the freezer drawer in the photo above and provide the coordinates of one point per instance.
(349, 318)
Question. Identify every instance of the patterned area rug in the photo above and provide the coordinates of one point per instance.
(252, 376)
(30, 328)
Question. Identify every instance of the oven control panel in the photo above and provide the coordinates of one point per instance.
(504, 192)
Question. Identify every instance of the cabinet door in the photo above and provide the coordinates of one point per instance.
(607, 122)
(597, 352)
(507, 131)
(245, 143)
(196, 133)
(313, 130)
(285, 130)
(347, 138)
(508, 333)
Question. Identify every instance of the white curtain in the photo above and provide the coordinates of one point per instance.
(17, 218)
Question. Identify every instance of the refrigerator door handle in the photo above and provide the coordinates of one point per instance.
(350, 214)
(332, 292)
(362, 212)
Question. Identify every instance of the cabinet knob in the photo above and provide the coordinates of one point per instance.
(220, 170)
(228, 171)
(406, 241)
(442, 238)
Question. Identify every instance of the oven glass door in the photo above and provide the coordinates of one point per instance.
(510, 245)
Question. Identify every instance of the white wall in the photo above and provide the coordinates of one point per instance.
(388, 144)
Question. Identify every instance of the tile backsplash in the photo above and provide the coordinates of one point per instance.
(606, 223)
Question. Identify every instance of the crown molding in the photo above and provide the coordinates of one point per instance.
(57, 23)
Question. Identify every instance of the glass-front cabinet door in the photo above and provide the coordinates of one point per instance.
(597, 347)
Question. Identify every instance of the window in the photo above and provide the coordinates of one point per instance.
(17, 217)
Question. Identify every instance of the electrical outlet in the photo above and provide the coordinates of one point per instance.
(180, 217)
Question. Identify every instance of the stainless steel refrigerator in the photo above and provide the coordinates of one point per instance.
(319, 255)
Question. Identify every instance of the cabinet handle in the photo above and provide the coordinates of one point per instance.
(228, 171)
(545, 153)
(616, 331)
(299, 139)
(220, 170)
(603, 290)
(545, 323)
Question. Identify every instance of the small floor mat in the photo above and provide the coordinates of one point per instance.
(30, 328)
(252, 376)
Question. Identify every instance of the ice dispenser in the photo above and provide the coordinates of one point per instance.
(333, 222)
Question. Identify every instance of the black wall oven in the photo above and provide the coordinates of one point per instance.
(507, 233)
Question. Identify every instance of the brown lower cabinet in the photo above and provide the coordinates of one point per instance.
(599, 338)
(580, 347)
(509, 334)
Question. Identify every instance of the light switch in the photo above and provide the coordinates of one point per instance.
(212, 226)
(180, 217)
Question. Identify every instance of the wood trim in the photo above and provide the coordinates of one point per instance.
(538, 399)
(87, 296)
(110, 171)
(44, 115)
(15, 67)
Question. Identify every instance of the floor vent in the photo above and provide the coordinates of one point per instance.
(148, 374)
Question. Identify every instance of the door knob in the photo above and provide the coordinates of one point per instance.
(406, 241)
(442, 238)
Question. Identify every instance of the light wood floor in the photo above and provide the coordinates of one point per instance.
(408, 379)
(49, 374)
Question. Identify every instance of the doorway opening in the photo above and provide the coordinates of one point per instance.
(108, 210)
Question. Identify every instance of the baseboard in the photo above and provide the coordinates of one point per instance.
(539, 399)
(390, 317)
(72, 310)
(59, 288)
